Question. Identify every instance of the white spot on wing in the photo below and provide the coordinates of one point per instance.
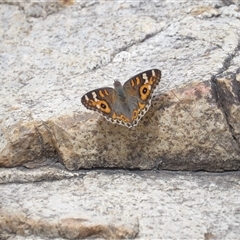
(144, 76)
(95, 96)
(153, 73)
(86, 98)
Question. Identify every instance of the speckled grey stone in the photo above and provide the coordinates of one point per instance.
(52, 54)
(121, 204)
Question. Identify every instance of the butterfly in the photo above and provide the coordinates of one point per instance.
(124, 104)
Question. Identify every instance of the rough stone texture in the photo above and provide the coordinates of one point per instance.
(119, 204)
(163, 128)
(52, 54)
(228, 90)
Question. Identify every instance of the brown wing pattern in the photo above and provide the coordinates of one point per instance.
(143, 84)
(138, 89)
(99, 100)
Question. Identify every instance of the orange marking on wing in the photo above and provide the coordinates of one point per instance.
(101, 93)
(92, 103)
(132, 83)
(138, 80)
(141, 105)
(106, 92)
(123, 118)
(114, 116)
(135, 113)
(144, 92)
(152, 80)
(103, 106)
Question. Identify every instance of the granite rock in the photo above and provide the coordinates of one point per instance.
(190, 125)
(51, 55)
(118, 204)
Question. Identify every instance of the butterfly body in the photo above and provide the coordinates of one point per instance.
(124, 104)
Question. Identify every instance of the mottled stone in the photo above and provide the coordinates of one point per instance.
(78, 227)
(184, 130)
(228, 94)
(120, 204)
(51, 55)
(21, 144)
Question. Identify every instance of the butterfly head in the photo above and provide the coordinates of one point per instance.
(119, 90)
(117, 84)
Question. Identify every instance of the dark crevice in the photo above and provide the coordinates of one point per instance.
(122, 49)
(225, 99)
(125, 48)
(228, 60)
(228, 2)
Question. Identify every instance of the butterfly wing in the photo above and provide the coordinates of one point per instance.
(139, 90)
(143, 84)
(99, 100)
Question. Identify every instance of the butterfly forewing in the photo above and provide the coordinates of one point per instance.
(100, 100)
(143, 84)
(139, 90)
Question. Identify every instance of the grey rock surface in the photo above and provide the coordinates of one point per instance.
(119, 204)
(51, 54)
